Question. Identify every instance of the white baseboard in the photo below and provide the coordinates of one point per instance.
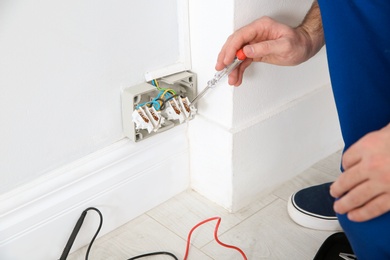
(255, 157)
(123, 181)
(284, 145)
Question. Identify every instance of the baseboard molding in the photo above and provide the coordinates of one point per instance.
(263, 153)
(284, 145)
(123, 181)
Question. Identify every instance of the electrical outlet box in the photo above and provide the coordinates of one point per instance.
(183, 83)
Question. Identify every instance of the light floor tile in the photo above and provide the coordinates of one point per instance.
(308, 178)
(269, 234)
(330, 165)
(263, 229)
(186, 210)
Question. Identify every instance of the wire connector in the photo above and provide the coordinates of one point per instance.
(158, 105)
(142, 120)
(186, 107)
(155, 117)
(173, 112)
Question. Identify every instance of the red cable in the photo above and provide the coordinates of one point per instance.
(215, 237)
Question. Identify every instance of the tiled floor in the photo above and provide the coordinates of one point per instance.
(263, 230)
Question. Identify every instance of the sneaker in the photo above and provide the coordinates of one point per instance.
(335, 246)
(312, 207)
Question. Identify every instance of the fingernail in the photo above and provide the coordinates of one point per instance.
(351, 216)
(331, 192)
(335, 208)
(249, 50)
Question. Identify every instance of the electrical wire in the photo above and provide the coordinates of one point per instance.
(153, 254)
(84, 213)
(153, 103)
(166, 100)
(97, 231)
(157, 85)
(158, 102)
(76, 230)
(170, 91)
(215, 237)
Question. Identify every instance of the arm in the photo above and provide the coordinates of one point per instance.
(265, 40)
(312, 27)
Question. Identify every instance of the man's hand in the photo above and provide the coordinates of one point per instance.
(271, 42)
(364, 187)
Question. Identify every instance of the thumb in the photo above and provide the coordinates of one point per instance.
(261, 49)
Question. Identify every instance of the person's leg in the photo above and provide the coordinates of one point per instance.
(312, 207)
(369, 239)
(359, 69)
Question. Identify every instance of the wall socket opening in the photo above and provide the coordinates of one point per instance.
(147, 112)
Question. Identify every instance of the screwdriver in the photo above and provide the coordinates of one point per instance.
(240, 57)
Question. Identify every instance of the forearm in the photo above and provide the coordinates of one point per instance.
(312, 27)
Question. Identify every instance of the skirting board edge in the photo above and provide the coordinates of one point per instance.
(123, 181)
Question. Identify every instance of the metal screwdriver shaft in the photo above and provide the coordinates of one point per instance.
(240, 57)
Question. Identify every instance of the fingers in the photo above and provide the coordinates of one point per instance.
(353, 172)
(259, 50)
(253, 32)
(351, 157)
(372, 209)
(347, 181)
(253, 52)
(357, 197)
(224, 55)
(364, 187)
(236, 76)
(230, 48)
(365, 199)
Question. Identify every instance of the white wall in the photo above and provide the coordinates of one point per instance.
(278, 122)
(62, 67)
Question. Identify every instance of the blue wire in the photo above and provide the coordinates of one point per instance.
(154, 101)
(155, 104)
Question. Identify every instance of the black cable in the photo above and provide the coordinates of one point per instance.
(166, 100)
(152, 254)
(72, 237)
(97, 231)
(77, 228)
